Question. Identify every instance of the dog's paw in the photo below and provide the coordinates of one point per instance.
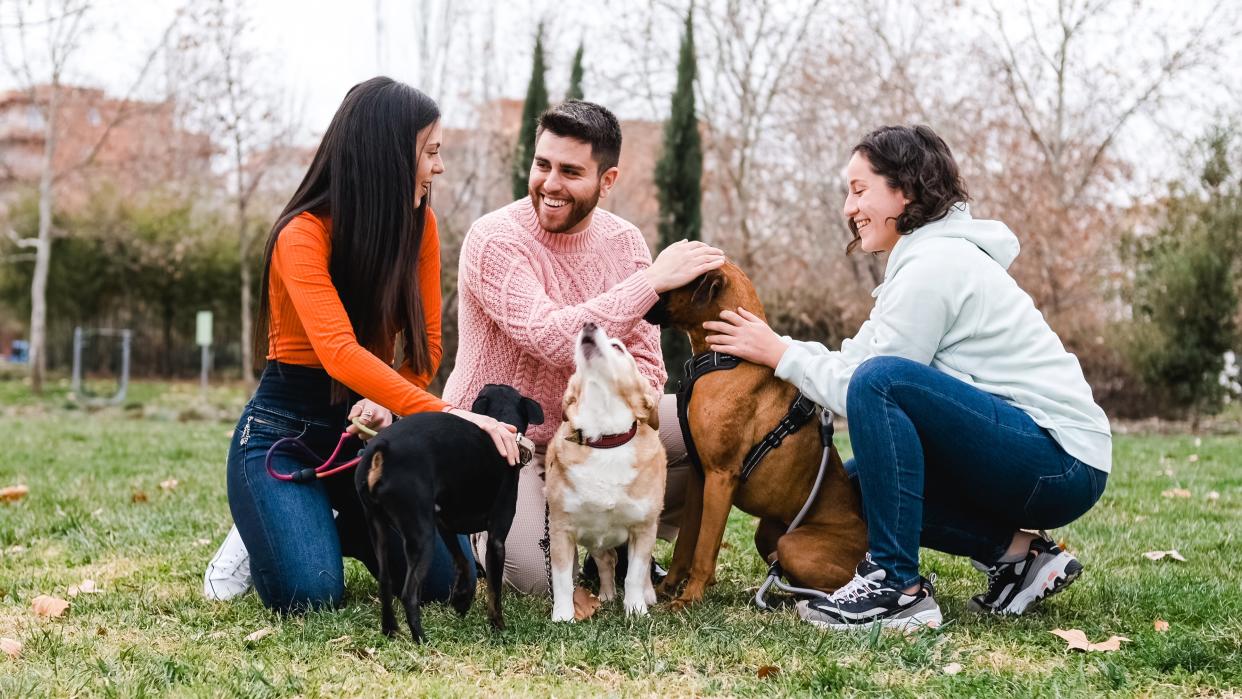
(680, 604)
(635, 607)
(649, 596)
(607, 594)
(563, 613)
(666, 589)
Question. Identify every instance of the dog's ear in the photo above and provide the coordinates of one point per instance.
(709, 288)
(481, 404)
(653, 411)
(534, 412)
(571, 397)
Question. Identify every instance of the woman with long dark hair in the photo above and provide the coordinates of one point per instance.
(969, 420)
(351, 271)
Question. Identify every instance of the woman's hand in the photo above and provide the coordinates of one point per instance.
(745, 336)
(371, 414)
(502, 433)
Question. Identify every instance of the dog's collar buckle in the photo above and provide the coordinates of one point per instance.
(608, 441)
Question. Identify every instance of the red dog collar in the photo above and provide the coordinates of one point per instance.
(608, 441)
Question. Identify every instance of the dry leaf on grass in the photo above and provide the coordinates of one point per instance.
(1176, 493)
(1160, 625)
(169, 485)
(13, 493)
(259, 635)
(339, 639)
(202, 542)
(766, 671)
(1192, 458)
(1213, 495)
(46, 605)
(1077, 640)
(585, 604)
(138, 496)
(952, 668)
(1157, 555)
(86, 587)
(11, 647)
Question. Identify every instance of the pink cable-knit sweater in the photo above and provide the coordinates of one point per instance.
(524, 294)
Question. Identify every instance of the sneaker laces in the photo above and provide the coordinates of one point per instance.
(858, 588)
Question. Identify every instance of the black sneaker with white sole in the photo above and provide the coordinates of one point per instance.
(868, 600)
(1014, 587)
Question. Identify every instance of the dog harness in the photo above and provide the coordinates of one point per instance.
(800, 412)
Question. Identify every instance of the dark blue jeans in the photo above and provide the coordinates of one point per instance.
(295, 544)
(943, 464)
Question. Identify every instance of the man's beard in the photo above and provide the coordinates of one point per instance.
(578, 210)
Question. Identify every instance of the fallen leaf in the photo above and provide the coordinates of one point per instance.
(1192, 458)
(1169, 472)
(952, 668)
(766, 671)
(202, 542)
(169, 485)
(138, 496)
(97, 512)
(339, 639)
(1176, 493)
(1077, 640)
(17, 548)
(259, 635)
(85, 587)
(1213, 495)
(13, 493)
(1157, 555)
(11, 647)
(1160, 625)
(46, 605)
(1063, 544)
(1139, 518)
(101, 631)
(585, 604)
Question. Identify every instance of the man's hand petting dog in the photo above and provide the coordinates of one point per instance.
(745, 336)
(371, 414)
(682, 262)
(503, 434)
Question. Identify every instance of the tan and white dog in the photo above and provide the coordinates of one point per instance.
(605, 474)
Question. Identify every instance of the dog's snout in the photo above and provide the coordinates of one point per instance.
(589, 328)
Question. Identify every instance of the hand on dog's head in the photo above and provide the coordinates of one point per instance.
(699, 301)
(507, 405)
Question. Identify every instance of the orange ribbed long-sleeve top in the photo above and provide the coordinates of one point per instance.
(309, 327)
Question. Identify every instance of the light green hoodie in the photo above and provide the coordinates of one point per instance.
(948, 301)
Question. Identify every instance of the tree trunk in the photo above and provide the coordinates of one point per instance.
(43, 251)
(247, 329)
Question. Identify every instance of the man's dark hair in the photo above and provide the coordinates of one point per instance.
(587, 122)
(916, 161)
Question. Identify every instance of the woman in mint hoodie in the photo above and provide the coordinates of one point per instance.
(968, 418)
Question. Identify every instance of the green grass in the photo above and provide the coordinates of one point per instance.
(150, 632)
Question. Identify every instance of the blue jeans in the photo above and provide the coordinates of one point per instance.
(295, 544)
(943, 464)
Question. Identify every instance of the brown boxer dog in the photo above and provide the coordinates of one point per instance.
(729, 412)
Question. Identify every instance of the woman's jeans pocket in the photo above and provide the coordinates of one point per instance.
(1060, 499)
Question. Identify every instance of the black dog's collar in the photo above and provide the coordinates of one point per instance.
(608, 441)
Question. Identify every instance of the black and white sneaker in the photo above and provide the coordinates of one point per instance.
(1014, 587)
(868, 600)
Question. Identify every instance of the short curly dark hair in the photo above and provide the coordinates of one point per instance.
(918, 162)
(587, 122)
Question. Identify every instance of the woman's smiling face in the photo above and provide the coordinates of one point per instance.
(872, 206)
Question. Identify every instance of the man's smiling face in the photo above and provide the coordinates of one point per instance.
(565, 183)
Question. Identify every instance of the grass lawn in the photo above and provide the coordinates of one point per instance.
(96, 510)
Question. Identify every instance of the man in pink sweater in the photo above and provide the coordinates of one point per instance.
(532, 273)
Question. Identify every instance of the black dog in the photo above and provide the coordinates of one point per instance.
(435, 471)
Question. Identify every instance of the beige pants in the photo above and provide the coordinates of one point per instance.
(526, 558)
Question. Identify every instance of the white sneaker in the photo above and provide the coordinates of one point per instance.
(228, 573)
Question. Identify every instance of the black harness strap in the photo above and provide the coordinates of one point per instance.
(800, 412)
(696, 367)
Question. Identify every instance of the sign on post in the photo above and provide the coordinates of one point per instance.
(202, 337)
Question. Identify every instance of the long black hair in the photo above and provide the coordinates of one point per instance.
(918, 162)
(362, 181)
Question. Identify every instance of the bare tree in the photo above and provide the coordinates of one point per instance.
(47, 47)
(248, 118)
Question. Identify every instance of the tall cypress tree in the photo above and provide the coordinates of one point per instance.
(678, 178)
(536, 104)
(575, 77)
